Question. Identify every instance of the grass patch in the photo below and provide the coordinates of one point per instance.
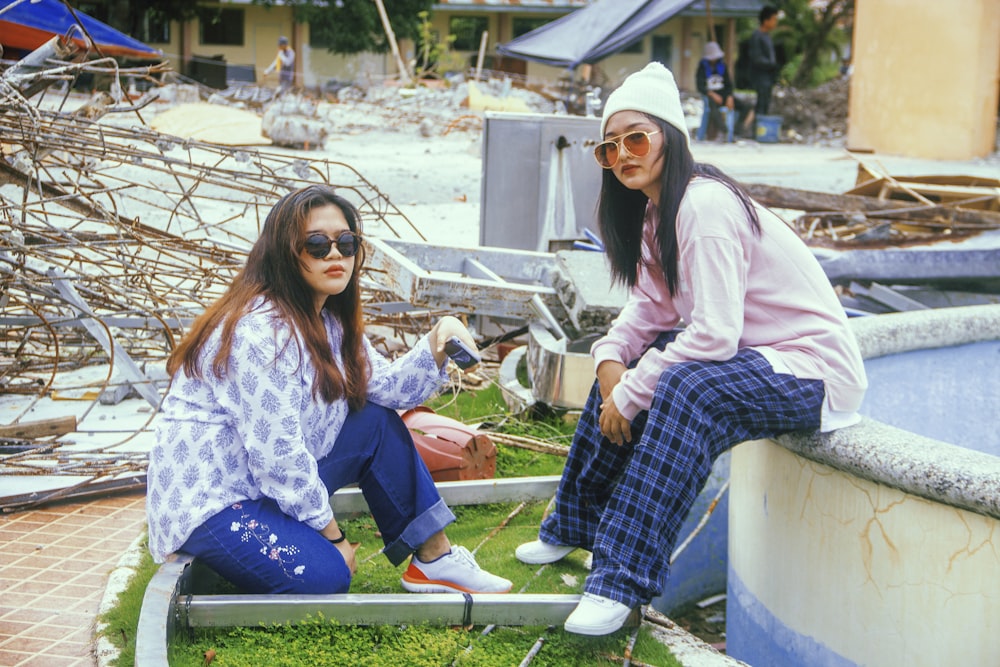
(321, 641)
(122, 620)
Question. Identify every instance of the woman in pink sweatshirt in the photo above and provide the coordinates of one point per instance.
(731, 332)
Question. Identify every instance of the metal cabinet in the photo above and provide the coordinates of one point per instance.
(540, 181)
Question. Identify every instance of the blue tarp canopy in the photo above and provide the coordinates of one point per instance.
(27, 24)
(592, 33)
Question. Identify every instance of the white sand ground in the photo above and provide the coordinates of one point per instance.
(437, 181)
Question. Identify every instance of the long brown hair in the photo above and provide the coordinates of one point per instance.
(274, 271)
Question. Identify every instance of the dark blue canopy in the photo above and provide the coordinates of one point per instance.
(592, 33)
(28, 24)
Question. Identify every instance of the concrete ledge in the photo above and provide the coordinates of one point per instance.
(922, 466)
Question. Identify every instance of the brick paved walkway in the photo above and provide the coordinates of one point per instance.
(54, 566)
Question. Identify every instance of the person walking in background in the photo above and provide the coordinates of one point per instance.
(763, 60)
(766, 349)
(277, 400)
(284, 62)
(716, 88)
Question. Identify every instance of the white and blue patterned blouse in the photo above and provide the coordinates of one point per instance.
(259, 431)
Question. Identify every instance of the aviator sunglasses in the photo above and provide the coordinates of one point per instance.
(318, 245)
(635, 143)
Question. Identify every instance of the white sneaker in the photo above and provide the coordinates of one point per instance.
(597, 615)
(540, 553)
(455, 572)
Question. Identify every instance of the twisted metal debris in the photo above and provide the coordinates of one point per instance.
(113, 237)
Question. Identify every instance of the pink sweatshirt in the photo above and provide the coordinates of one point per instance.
(735, 291)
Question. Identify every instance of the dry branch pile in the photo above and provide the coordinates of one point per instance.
(114, 236)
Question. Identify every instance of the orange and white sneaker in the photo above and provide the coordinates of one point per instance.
(455, 572)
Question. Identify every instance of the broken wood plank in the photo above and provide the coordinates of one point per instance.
(808, 200)
(39, 428)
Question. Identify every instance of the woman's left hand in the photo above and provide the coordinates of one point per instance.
(614, 426)
(447, 327)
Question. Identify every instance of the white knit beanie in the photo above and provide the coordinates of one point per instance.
(651, 90)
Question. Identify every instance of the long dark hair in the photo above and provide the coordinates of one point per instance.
(274, 270)
(620, 211)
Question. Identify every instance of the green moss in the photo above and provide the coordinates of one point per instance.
(321, 642)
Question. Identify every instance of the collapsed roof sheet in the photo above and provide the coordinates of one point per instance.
(28, 25)
(592, 33)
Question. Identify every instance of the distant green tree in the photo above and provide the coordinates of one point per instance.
(354, 26)
(810, 32)
(128, 16)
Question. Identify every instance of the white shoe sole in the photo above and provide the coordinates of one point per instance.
(428, 588)
(603, 621)
(527, 553)
(595, 630)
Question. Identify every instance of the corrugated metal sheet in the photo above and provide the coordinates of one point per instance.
(534, 6)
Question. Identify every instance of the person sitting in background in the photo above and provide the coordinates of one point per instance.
(716, 88)
(277, 400)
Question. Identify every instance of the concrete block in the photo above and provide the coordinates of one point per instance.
(583, 284)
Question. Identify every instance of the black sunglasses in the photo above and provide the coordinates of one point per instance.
(318, 245)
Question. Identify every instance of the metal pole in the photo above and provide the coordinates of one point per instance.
(379, 609)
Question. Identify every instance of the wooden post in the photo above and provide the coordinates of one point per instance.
(482, 53)
(708, 16)
(404, 73)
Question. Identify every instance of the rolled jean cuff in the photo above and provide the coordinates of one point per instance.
(431, 521)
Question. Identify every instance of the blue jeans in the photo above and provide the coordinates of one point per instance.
(728, 114)
(260, 549)
(626, 504)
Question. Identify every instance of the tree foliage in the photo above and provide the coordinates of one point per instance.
(811, 32)
(354, 26)
(809, 35)
(129, 16)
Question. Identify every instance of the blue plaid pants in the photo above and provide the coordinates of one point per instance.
(626, 504)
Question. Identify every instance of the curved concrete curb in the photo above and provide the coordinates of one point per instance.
(104, 651)
(907, 461)
(689, 650)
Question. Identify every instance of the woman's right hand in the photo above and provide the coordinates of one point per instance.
(347, 550)
(331, 532)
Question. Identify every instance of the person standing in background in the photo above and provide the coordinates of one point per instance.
(763, 61)
(284, 62)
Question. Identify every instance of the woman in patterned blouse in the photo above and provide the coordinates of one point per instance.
(278, 399)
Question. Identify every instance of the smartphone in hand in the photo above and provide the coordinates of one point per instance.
(463, 356)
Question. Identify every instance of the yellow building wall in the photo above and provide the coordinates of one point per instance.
(263, 26)
(316, 66)
(926, 77)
